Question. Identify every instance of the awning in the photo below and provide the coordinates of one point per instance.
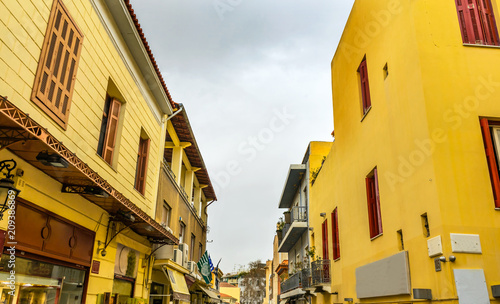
(180, 290)
(26, 138)
(214, 297)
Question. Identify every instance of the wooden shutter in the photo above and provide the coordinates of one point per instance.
(492, 162)
(378, 215)
(488, 22)
(324, 229)
(365, 87)
(335, 235)
(373, 206)
(111, 129)
(58, 64)
(142, 165)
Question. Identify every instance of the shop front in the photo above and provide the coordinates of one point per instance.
(51, 259)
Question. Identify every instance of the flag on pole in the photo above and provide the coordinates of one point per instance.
(205, 267)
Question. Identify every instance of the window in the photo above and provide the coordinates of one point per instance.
(324, 230)
(200, 251)
(142, 165)
(425, 225)
(477, 22)
(55, 76)
(373, 196)
(165, 215)
(401, 243)
(193, 242)
(491, 138)
(365, 87)
(181, 232)
(109, 127)
(335, 235)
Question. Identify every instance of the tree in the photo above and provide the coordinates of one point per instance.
(253, 283)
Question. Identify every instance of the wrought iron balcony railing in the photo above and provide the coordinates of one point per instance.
(306, 278)
(293, 282)
(320, 272)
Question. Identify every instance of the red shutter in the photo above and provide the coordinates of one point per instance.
(370, 194)
(335, 235)
(111, 128)
(365, 88)
(142, 165)
(488, 22)
(325, 239)
(377, 203)
(492, 162)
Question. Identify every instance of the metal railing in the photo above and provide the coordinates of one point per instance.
(306, 278)
(320, 272)
(293, 282)
(297, 214)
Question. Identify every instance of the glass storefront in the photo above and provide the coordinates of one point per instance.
(41, 283)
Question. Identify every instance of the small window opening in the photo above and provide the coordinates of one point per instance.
(386, 71)
(400, 240)
(425, 225)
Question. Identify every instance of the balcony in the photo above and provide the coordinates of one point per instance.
(307, 279)
(293, 231)
(320, 273)
(293, 282)
(292, 184)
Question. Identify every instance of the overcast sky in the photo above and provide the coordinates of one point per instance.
(254, 77)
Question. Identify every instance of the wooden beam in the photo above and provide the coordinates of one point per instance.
(173, 134)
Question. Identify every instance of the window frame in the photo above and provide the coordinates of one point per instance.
(373, 200)
(142, 165)
(492, 156)
(366, 103)
(335, 234)
(324, 237)
(106, 146)
(477, 24)
(182, 231)
(167, 214)
(63, 61)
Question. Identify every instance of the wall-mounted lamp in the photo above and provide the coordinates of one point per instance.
(8, 192)
(322, 214)
(52, 159)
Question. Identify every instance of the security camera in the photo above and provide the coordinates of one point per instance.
(103, 252)
(442, 259)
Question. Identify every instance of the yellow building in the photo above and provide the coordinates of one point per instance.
(231, 290)
(86, 128)
(405, 208)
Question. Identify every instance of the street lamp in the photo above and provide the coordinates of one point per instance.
(8, 192)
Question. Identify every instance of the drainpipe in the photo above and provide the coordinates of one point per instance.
(178, 111)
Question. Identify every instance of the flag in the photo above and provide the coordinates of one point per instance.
(205, 267)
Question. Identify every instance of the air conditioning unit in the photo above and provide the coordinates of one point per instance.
(185, 254)
(165, 252)
(191, 266)
(178, 256)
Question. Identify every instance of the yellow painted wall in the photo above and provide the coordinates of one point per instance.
(22, 28)
(232, 291)
(429, 155)
(23, 25)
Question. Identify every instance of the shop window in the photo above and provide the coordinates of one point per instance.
(491, 139)
(365, 87)
(324, 230)
(142, 164)
(123, 289)
(477, 22)
(373, 197)
(55, 75)
(335, 235)
(41, 282)
(109, 128)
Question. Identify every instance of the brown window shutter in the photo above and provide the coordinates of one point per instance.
(58, 64)
(111, 129)
(324, 231)
(142, 165)
(365, 87)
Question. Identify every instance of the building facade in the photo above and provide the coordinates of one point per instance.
(407, 198)
(293, 236)
(86, 128)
